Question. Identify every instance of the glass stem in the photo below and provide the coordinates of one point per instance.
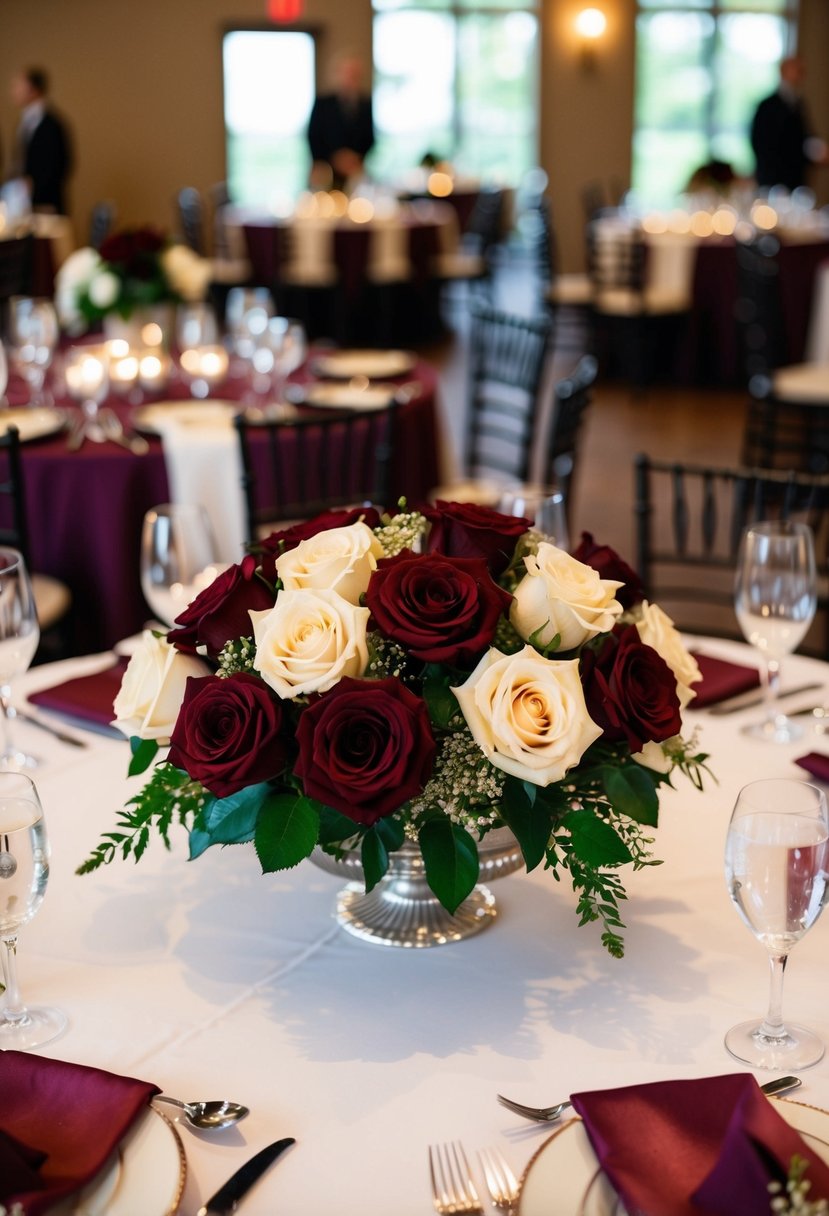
(772, 689)
(8, 718)
(13, 1008)
(772, 1025)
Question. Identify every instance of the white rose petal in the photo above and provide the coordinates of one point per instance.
(656, 629)
(103, 289)
(339, 559)
(654, 756)
(187, 273)
(152, 689)
(560, 594)
(78, 269)
(308, 641)
(528, 714)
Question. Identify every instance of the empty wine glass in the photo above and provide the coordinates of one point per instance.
(196, 326)
(87, 382)
(34, 332)
(776, 865)
(544, 506)
(247, 312)
(178, 557)
(24, 872)
(19, 636)
(775, 598)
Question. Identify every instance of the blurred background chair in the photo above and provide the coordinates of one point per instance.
(226, 271)
(472, 263)
(570, 401)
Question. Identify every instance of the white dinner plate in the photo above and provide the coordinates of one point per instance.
(562, 1177)
(350, 396)
(151, 418)
(146, 1174)
(376, 364)
(32, 423)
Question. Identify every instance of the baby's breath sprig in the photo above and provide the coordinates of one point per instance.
(236, 656)
(464, 785)
(506, 639)
(402, 531)
(795, 1201)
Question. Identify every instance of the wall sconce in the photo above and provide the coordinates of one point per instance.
(591, 24)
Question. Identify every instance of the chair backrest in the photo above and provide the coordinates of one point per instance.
(785, 433)
(15, 272)
(616, 256)
(506, 366)
(191, 218)
(484, 229)
(758, 309)
(689, 520)
(101, 222)
(13, 526)
(571, 399)
(296, 467)
(544, 246)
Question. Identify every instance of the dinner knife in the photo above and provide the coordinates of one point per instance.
(47, 726)
(226, 1199)
(746, 700)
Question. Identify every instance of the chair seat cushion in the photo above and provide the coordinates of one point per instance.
(571, 289)
(807, 382)
(52, 599)
(653, 301)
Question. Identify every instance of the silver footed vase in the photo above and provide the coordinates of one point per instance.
(402, 909)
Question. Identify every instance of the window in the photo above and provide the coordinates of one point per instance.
(701, 68)
(457, 79)
(268, 93)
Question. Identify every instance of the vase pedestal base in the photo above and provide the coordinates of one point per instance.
(394, 917)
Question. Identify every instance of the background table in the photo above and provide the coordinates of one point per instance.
(213, 981)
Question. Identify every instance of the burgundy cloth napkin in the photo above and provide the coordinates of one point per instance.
(721, 680)
(684, 1148)
(817, 764)
(88, 698)
(74, 1115)
(19, 1164)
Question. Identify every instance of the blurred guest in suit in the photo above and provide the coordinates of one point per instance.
(42, 153)
(780, 133)
(341, 127)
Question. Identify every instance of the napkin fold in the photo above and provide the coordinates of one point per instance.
(75, 1116)
(684, 1148)
(817, 764)
(87, 698)
(721, 679)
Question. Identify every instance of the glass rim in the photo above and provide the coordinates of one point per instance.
(772, 527)
(18, 561)
(790, 783)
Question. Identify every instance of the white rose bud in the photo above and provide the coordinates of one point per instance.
(654, 756)
(528, 714)
(559, 594)
(104, 288)
(152, 689)
(308, 641)
(339, 559)
(656, 629)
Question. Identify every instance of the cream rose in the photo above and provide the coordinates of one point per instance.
(559, 594)
(308, 641)
(339, 559)
(528, 714)
(186, 272)
(654, 756)
(152, 689)
(656, 629)
(103, 289)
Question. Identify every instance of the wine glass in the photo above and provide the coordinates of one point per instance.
(24, 872)
(178, 557)
(247, 312)
(776, 865)
(543, 505)
(87, 382)
(196, 326)
(775, 598)
(19, 636)
(34, 332)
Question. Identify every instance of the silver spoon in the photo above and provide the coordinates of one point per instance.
(208, 1116)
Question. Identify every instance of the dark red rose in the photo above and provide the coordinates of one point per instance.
(464, 529)
(365, 748)
(288, 538)
(220, 612)
(441, 610)
(630, 691)
(229, 733)
(609, 565)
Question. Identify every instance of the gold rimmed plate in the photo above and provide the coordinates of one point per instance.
(374, 364)
(33, 422)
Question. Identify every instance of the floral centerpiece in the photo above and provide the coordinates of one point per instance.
(135, 269)
(362, 681)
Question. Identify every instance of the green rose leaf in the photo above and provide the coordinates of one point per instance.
(286, 831)
(200, 841)
(232, 820)
(529, 823)
(144, 752)
(632, 792)
(390, 832)
(595, 842)
(335, 827)
(375, 858)
(440, 700)
(451, 861)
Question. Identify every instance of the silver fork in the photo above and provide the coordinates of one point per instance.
(500, 1180)
(541, 1114)
(453, 1190)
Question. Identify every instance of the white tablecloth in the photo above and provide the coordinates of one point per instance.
(213, 981)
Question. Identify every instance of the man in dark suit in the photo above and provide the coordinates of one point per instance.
(43, 155)
(341, 127)
(780, 135)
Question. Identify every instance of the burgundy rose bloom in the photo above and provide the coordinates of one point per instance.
(365, 747)
(442, 611)
(464, 529)
(609, 565)
(288, 538)
(630, 691)
(229, 733)
(220, 612)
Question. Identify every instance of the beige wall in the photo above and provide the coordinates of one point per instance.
(141, 84)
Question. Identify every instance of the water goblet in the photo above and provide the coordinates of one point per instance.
(87, 382)
(775, 598)
(203, 367)
(776, 866)
(196, 326)
(19, 636)
(24, 872)
(178, 557)
(247, 312)
(34, 332)
(543, 505)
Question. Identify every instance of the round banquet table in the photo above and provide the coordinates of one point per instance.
(213, 981)
(85, 508)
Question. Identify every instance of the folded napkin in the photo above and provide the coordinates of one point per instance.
(19, 1165)
(721, 680)
(87, 698)
(74, 1115)
(684, 1148)
(817, 764)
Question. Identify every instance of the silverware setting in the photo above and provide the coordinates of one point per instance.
(453, 1190)
(33, 720)
(746, 700)
(208, 1116)
(501, 1182)
(227, 1198)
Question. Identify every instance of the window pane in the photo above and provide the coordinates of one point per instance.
(672, 80)
(768, 6)
(668, 4)
(663, 161)
(268, 94)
